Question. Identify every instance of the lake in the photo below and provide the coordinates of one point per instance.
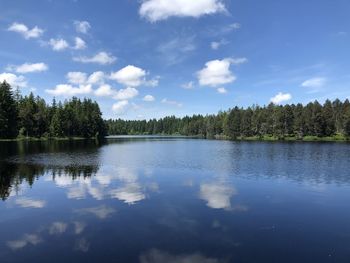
(155, 199)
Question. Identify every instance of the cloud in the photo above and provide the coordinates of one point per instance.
(314, 84)
(76, 77)
(188, 85)
(217, 195)
(130, 76)
(221, 90)
(79, 44)
(281, 97)
(104, 91)
(30, 203)
(102, 58)
(69, 90)
(125, 94)
(217, 72)
(82, 26)
(27, 239)
(157, 256)
(120, 107)
(57, 228)
(171, 102)
(176, 50)
(156, 10)
(13, 80)
(27, 33)
(101, 212)
(96, 78)
(148, 98)
(215, 45)
(58, 44)
(29, 68)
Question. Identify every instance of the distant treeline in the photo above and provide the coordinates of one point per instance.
(29, 116)
(276, 121)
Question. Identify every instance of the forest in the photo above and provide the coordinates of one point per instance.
(272, 122)
(31, 117)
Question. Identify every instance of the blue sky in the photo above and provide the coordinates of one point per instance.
(152, 58)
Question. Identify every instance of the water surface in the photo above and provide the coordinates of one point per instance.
(174, 200)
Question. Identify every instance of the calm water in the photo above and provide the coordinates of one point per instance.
(174, 200)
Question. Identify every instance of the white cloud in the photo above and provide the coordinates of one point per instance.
(29, 68)
(120, 107)
(215, 45)
(101, 58)
(314, 82)
(79, 43)
(30, 203)
(233, 26)
(27, 33)
(281, 97)
(58, 44)
(148, 98)
(171, 102)
(69, 90)
(188, 85)
(82, 26)
(125, 94)
(130, 76)
(156, 10)
(217, 72)
(13, 80)
(104, 90)
(222, 90)
(96, 78)
(76, 77)
(177, 49)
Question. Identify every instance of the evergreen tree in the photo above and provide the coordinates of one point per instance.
(8, 112)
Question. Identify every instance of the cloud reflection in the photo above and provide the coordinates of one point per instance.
(101, 212)
(130, 193)
(217, 195)
(157, 256)
(30, 203)
(27, 239)
(57, 228)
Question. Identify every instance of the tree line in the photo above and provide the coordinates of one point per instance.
(30, 116)
(275, 121)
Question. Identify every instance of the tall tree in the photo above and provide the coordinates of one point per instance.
(8, 112)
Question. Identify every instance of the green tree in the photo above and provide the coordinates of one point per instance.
(8, 112)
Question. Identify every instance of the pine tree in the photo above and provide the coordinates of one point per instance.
(8, 112)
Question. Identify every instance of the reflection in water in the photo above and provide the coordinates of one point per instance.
(27, 239)
(158, 256)
(217, 195)
(130, 193)
(30, 203)
(101, 212)
(57, 228)
(82, 245)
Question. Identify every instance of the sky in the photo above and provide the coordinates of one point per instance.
(142, 59)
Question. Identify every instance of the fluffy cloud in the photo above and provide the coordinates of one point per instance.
(222, 90)
(29, 68)
(130, 76)
(314, 84)
(104, 90)
(58, 44)
(217, 72)
(280, 98)
(125, 94)
(101, 58)
(27, 33)
(148, 98)
(82, 26)
(76, 77)
(96, 78)
(13, 80)
(120, 107)
(79, 43)
(171, 102)
(156, 10)
(69, 90)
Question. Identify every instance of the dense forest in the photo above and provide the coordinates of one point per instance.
(29, 116)
(332, 119)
